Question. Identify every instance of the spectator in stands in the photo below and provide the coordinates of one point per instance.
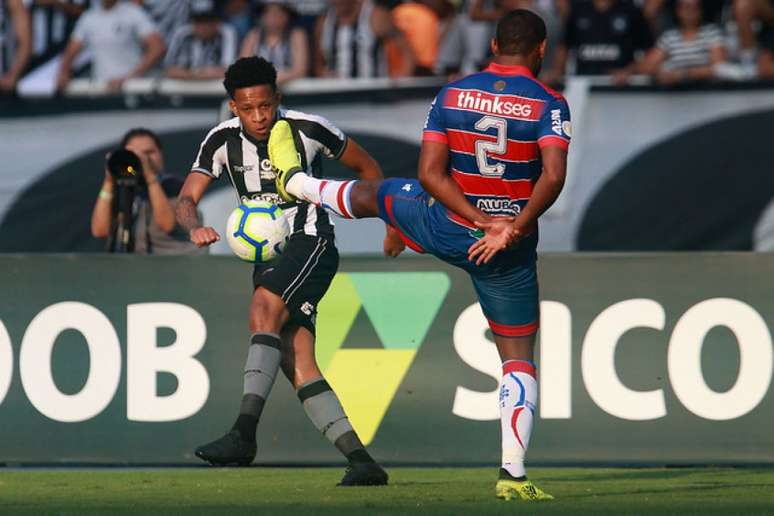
(202, 49)
(155, 230)
(350, 39)
(123, 40)
(52, 23)
(603, 35)
(308, 11)
(748, 13)
(239, 14)
(15, 43)
(419, 24)
(688, 52)
(167, 15)
(491, 12)
(465, 42)
(766, 57)
(275, 39)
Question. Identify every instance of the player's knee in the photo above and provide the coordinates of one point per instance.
(363, 198)
(268, 312)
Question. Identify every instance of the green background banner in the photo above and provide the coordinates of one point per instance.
(659, 358)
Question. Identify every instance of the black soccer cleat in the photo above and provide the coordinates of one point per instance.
(229, 450)
(364, 474)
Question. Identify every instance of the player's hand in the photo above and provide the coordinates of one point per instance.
(393, 244)
(204, 236)
(499, 233)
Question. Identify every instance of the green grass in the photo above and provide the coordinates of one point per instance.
(463, 491)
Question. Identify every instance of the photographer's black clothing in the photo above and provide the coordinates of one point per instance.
(303, 272)
(245, 161)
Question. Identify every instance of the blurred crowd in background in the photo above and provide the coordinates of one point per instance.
(672, 41)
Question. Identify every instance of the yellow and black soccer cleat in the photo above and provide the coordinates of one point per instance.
(523, 490)
(284, 157)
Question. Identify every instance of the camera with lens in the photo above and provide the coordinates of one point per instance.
(126, 169)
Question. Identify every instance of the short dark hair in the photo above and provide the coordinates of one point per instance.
(249, 71)
(140, 131)
(520, 32)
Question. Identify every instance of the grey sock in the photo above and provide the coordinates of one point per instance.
(324, 409)
(263, 361)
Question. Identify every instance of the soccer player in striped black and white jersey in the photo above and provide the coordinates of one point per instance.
(287, 292)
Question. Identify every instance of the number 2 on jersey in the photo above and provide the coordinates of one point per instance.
(485, 147)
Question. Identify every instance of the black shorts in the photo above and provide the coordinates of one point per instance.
(301, 276)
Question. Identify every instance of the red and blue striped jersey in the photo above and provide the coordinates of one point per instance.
(495, 122)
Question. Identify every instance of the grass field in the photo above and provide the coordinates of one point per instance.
(463, 491)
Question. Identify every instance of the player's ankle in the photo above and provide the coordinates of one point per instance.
(360, 456)
(295, 185)
(506, 475)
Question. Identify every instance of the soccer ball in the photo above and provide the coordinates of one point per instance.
(257, 231)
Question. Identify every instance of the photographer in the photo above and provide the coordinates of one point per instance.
(152, 222)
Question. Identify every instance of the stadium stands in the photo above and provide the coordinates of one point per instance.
(596, 37)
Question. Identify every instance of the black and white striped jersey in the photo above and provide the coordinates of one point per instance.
(51, 28)
(682, 53)
(245, 160)
(191, 52)
(353, 50)
(168, 15)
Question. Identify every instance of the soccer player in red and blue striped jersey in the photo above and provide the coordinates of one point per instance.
(493, 159)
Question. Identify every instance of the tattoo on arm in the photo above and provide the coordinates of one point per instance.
(186, 213)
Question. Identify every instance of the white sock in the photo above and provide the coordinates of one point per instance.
(518, 399)
(331, 195)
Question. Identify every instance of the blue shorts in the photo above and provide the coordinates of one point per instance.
(507, 287)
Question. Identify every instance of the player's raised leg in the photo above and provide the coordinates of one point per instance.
(238, 447)
(324, 409)
(349, 199)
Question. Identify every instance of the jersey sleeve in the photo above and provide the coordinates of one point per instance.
(212, 154)
(143, 24)
(555, 127)
(435, 128)
(81, 30)
(319, 135)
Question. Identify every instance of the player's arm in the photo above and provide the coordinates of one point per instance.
(357, 159)
(193, 189)
(435, 179)
(547, 188)
(499, 234)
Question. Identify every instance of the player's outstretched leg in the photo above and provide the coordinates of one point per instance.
(324, 409)
(238, 446)
(349, 199)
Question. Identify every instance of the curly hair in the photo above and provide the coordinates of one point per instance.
(249, 71)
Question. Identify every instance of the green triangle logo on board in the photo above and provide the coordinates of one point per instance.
(401, 307)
